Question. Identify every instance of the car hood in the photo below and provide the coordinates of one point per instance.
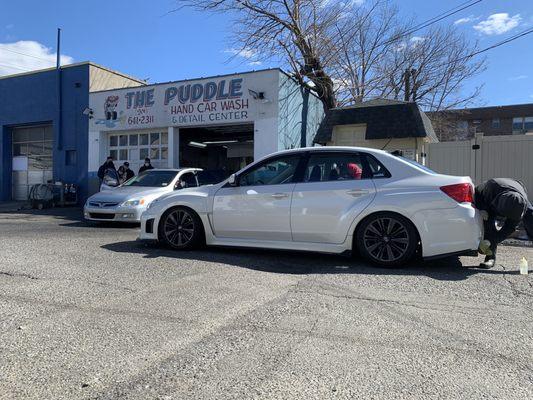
(201, 191)
(124, 193)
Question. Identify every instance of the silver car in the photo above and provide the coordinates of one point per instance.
(127, 202)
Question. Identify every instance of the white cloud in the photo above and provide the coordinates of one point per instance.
(466, 20)
(27, 55)
(248, 54)
(517, 78)
(496, 24)
(244, 53)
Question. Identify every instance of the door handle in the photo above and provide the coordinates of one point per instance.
(280, 195)
(357, 192)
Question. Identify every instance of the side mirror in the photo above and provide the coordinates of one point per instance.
(232, 180)
(179, 185)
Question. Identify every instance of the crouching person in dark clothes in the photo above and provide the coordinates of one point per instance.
(502, 198)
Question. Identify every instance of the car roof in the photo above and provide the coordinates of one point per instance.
(174, 169)
(333, 148)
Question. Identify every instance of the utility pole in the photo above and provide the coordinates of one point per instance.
(59, 117)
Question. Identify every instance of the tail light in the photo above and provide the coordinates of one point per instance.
(460, 192)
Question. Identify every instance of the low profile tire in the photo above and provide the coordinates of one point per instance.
(181, 228)
(387, 239)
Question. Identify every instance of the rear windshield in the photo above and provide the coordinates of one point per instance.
(152, 178)
(422, 167)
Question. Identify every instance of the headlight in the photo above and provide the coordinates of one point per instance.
(133, 203)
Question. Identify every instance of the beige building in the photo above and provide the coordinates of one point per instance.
(380, 124)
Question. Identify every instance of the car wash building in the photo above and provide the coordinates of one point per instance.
(219, 123)
(43, 128)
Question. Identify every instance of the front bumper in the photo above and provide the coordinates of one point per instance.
(149, 226)
(113, 214)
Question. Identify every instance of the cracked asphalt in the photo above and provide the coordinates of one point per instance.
(89, 313)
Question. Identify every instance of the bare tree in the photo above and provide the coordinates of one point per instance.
(347, 52)
(300, 34)
(432, 69)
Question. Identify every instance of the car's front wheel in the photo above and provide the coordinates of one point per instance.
(180, 228)
(387, 239)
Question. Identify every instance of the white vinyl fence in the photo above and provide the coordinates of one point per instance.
(485, 157)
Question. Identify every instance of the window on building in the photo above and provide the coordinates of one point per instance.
(71, 157)
(462, 128)
(522, 125)
(528, 124)
(495, 123)
(518, 125)
(135, 147)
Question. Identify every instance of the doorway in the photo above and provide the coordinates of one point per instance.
(220, 150)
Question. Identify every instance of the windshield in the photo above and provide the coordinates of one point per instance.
(422, 167)
(152, 178)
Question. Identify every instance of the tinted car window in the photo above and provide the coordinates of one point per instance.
(152, 178)
(278, 171)
(376, 168)
(188, 180)
(327, 167)
(210, 177)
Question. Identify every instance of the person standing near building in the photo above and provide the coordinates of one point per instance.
(502, 198)
(125, 173)
(147, 165)
(107, 165)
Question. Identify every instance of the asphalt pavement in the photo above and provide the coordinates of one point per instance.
(87, 312)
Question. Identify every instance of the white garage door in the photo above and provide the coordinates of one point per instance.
(134, 147)
(32, 158)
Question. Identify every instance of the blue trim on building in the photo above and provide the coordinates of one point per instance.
(31, 99)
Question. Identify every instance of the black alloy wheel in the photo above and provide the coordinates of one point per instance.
(180, 228)
(387, 239)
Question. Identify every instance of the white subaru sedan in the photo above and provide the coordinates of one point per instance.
(128, 201)
(325, 199)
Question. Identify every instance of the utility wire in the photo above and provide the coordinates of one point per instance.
(16, 67)
(431, 21)
(498, 44)
(23, 54)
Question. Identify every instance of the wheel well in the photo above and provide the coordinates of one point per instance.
(188, 209)
(354, 233)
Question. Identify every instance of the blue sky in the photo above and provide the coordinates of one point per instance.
(140, 38)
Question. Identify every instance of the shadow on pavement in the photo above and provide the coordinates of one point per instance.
(82, 223)
(66, 213)
(291, 262)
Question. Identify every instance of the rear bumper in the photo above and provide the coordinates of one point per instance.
(115, 214)
(449, 231)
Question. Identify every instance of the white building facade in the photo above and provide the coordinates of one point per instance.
(220, 123)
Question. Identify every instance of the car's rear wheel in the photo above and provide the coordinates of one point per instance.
(181, 228)
(387, 239)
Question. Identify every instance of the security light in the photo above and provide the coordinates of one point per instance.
(88, 111)
(256, 95)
